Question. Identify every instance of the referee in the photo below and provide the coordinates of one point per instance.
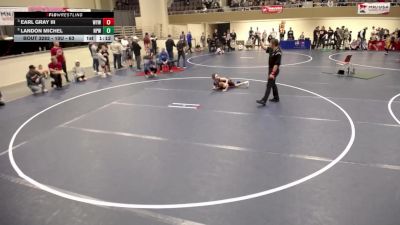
(275, 55)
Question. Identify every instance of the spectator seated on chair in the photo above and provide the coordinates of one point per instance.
(35, 81)
(78, 72)
(163, 60)
(150, 67)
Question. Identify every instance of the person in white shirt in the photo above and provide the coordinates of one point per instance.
(264, 36)
(102, 54)
(273, 34)
(125, 45)
(78, 72)
(203, 40)
(116, 49)
(95, 58)
(301, 38)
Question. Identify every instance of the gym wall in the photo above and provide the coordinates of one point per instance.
(307, 25)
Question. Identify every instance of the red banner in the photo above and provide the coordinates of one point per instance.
(272, 9)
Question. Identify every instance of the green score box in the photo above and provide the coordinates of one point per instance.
(108, 30)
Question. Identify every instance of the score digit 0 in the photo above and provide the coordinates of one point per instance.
(108, 21)
(108, 30)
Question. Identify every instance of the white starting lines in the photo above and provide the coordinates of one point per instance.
(184, 105)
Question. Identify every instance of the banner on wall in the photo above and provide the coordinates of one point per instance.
(7, 14)
(272, 9)
(373, 8)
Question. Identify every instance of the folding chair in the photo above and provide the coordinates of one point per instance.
(346, 66)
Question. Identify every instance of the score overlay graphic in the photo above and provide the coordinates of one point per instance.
(64, 26)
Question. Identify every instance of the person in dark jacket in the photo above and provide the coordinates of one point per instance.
(153, 40)
(169, 45)
(210, 43)
(150, 67)
(35, 81)
(181, 51)
(215, 35)
(189, 41)
(163, 60)
(315, 36)
(274, 61)
(136, 51)
(290, 34)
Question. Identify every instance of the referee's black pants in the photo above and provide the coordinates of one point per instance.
(271, 85)
(64, 68)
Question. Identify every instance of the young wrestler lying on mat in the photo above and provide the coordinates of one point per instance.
(223, 83)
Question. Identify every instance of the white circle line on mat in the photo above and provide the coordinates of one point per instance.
(390, 108)
(246, 67)
(182, 205)
(374, 67)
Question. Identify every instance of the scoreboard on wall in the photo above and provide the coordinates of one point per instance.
(63, 26)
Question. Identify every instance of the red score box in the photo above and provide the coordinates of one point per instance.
(108, 21)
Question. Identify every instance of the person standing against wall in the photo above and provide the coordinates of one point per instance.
(341, 34)
(228, 40)
(290, 34)
(136, 51)
(95, 58)
(233, 35)
(169, 45)
(274, 62)
(330, 38)
(57, 51)
(189, 41)
(146, 41)
(302, 38)
(124, 43)
(316, 36)
(215, 35)
(203, 40)
(273, 34)
(182, 36)
(257, 37)
(321, 38)
(251, 33)
(153, 39)
(282, 33)
(116, 49)
(264, 36)
(181, 51)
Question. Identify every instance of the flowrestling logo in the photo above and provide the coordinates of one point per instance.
(374, 8)
(272, 9)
